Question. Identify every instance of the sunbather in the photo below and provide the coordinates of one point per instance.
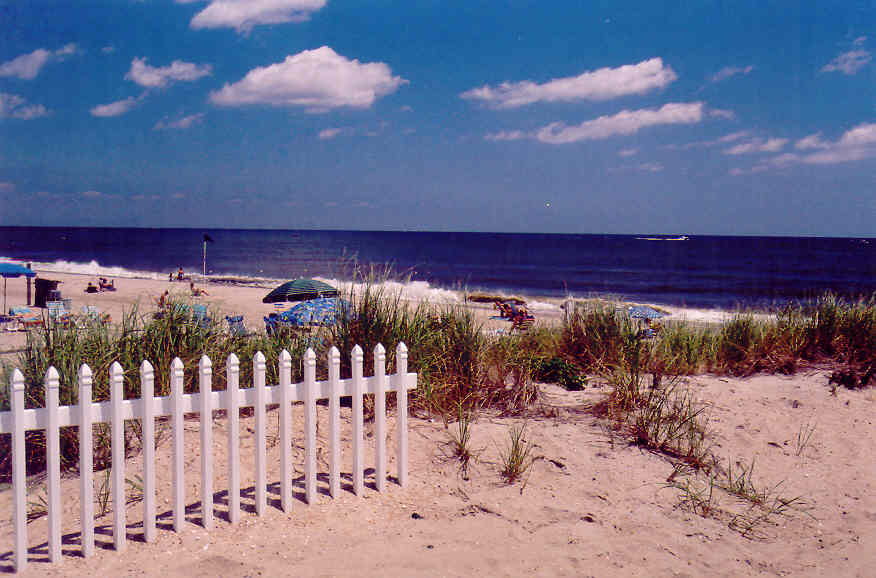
(197, 291)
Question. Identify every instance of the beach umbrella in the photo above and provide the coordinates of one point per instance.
(322, 311)
(643, 312)
(8, 270)
(300, 290)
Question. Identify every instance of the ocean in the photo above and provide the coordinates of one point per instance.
(700, 271)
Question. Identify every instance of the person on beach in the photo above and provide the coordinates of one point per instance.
(179, 274)
(91, 288)
(196, 291)
(162, 301)
(170, 276)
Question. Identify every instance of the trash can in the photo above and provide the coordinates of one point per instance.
(42, 289)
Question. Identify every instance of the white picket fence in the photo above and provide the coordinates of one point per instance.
(147, 408)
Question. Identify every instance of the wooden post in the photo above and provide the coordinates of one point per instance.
(86, 462)
(53, 464)
(310, 425)
(232, 394)
(205, 378)
(179, 488)
(380, 417)
(19, 477)
(117, 376)
(401, 397)
(334, 376)
(258, 372)
(358, 426)
(286, 430)
(147, 395)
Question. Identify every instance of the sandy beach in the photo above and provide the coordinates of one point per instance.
(592, 504)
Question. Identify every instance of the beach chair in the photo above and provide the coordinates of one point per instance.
(199, 316)
(58, 313)
(236, 326)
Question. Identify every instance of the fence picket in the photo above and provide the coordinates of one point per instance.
(19, 477)
(358, 434)
(179, 488)
(86, 462)
(401, 397)
(334, 377)
(147, 394)
(232, 393)
(53, 464)
(380, 417)
(286, 430)
(117, 375)
(258, 374)
(310, 425)
(205, 378)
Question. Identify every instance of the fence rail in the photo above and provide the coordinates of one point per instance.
(146, 408)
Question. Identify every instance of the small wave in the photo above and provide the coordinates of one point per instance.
(95, 269)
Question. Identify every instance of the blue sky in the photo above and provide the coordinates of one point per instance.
(741, 118)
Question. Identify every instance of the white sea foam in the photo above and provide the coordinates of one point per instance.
(95, 269)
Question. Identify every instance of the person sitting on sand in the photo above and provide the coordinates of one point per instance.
(180, 275)
(162, 301)
(107, 285)
(196, 291)
(91, 288)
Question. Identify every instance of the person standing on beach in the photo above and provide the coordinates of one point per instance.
(179, 274)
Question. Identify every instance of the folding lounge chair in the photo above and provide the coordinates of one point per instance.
(236, 326)
(58, 313)
(199, 315)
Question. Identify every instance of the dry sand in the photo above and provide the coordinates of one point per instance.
(592, 505)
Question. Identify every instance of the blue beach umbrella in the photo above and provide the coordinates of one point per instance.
(322, 311)
(8, 270)
(643, 312)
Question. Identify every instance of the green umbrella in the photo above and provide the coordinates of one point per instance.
(300, 290)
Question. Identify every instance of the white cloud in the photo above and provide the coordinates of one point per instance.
(318, 80)
(733, 136)
(243, 15)
(152, 77)
(859, 41)
(857, 143)
(627, 152)
(109, 49)
(92, 194)
(625, 122)
(758, 145)
(14, 106)
(329, 133)
(506, 135)
(7, 187)
(650, 167)
(601, 84)
(117, 108)
(182, 123)
(812, 141)
(28, 66)
(861, 135)
(722, 113)
(730, 71)
(848, 62)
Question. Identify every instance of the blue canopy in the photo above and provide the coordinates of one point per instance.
(322, 311)
(643, 312)
(9, 270)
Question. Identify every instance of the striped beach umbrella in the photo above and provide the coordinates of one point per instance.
(300, 290)
(322, 311)
(643, 312)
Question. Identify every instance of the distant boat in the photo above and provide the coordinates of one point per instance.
(682, 238)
